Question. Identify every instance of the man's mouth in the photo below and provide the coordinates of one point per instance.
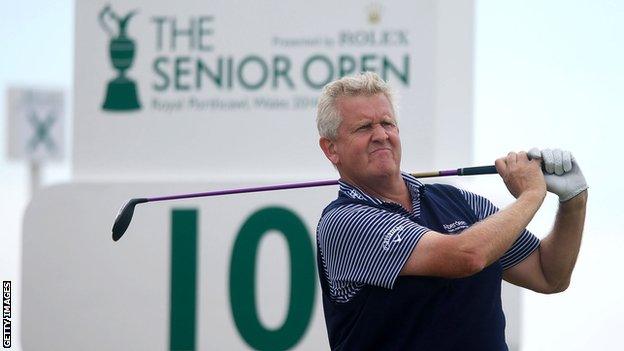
(381, 149)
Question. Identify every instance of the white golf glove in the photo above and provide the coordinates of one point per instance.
(562, 174)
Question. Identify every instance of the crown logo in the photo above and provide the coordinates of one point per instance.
(374, 13)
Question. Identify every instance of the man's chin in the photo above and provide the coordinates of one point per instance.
(374, 172)
(386, 171)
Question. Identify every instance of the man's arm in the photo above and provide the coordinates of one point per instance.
(462, 255)
(549, 269)
(454, 256)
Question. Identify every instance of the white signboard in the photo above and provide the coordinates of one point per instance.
(229, 87)
(227, 273)
(36, 128)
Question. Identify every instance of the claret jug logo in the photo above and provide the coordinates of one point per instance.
(121, 92)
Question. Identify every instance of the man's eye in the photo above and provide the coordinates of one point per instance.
(364, 127)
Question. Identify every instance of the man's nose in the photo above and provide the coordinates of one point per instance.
(379, 133)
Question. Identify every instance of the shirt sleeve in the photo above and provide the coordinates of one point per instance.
(365, 245)
(521, 248)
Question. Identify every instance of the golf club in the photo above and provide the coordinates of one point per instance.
(125, 214)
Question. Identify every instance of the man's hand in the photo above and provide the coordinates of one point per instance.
(521, 174)
(562, 173)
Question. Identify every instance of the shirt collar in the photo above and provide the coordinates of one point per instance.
(353, 192)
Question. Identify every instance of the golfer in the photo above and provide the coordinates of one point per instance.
(410, 266)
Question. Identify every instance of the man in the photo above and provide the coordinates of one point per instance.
(407, 266)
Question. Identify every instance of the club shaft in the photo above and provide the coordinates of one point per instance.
(246, 190)
(454, 172)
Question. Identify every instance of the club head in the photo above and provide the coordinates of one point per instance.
(124, 217)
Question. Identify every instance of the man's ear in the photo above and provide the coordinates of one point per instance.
(329, 148)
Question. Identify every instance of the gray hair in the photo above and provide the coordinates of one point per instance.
(363, 84)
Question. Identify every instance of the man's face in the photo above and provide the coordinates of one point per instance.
(368, 144)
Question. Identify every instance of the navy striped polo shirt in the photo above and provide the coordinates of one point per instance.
(363, 243)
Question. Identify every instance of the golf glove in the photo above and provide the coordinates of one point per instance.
(561, 171)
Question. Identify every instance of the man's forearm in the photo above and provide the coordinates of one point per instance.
(492, 237)
(559, 250)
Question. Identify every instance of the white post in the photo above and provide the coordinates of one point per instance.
(35, 176)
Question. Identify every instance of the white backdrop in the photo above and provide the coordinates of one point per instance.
(256, 119)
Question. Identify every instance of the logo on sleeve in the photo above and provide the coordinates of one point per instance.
(393, 236)
(455, 226)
